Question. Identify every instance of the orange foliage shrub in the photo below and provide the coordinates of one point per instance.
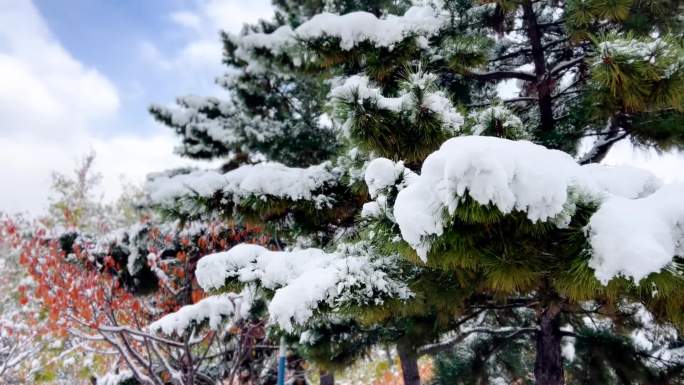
(393, 377)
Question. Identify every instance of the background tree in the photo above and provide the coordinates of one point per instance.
(92, 285)
(87, 291)
(73, 203)
(19, 341)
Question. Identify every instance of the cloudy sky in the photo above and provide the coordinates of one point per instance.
(78, 75)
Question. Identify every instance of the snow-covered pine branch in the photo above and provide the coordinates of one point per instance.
(348, 30)
(213, 310)
(418, 94)
(304, 280)
(545, 185)
(261, 181)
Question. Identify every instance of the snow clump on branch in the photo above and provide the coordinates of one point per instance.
(635, 231)
(304, 279)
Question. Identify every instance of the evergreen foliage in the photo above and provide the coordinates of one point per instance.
(399, 86)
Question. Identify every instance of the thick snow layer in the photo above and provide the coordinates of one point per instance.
(356, 27)
(371, 210)
(439, 103)
(263, 179)
(636, 237)
(625, 181)
(381, 173)
(164, 188)
(301, 279)
(352, 29)
(213, 309)
(418, 212)
(511, 175)
(277, 41)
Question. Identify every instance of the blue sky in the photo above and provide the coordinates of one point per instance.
(135, 43)
(78, 75)
(108, 36)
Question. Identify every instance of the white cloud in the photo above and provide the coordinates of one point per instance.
(27, 179)
(50, 107)
(132, 157)
(42, 85)
(210, 16)
(201, 54)
(202, 23)
(187, 19)
(151, 54)
(198, 60)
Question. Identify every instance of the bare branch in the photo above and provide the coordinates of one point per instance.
(124, 329)
(461, 336)
(566, 64)
(502, 75)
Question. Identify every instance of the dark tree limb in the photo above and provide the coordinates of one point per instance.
(409, 364)
(326, 378)
(616, 132)
(449, 343)
(566, 64)
(601, 149)
(548, 365)
(543, 82)
(502, 75)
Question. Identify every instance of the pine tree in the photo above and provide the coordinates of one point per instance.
(470, 228)
(279, 117)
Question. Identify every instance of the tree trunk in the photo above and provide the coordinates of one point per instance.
(326, 378)
(548, 367)
(409, 364)
(543, 81)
